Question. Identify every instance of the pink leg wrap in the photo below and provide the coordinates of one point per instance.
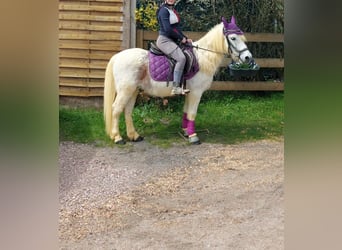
(185, 121)
(191, 127)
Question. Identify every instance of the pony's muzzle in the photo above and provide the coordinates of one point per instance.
(246, 56)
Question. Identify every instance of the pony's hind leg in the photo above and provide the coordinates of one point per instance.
(131, 133)
(118, 107)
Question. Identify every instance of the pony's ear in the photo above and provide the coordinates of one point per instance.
(232, 20)
(223, 19)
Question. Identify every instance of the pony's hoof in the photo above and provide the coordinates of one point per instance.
(120, 142)
(185, 133)
(140, 138)
(194, 140)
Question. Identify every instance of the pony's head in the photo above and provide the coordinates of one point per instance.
(236, 41)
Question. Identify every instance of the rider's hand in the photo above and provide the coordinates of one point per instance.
(188, 40)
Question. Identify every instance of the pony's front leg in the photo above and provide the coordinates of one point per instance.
(193, 138)
(185, 122)
(131, 133)
(189, 115)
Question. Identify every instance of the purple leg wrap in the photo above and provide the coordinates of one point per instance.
(185, 121)
(191, 127)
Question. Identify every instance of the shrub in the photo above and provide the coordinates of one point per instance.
(145, 15)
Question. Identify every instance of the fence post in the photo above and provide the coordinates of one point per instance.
(140, 38)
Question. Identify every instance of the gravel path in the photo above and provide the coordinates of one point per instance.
(141, 196)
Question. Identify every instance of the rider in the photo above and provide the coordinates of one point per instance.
(170, 34)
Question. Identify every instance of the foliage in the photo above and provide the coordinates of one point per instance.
(201, 15)
(230, 117)
(145, 15)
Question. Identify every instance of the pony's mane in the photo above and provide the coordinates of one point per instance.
(214, 40)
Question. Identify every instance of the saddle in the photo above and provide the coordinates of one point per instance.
(161, 66)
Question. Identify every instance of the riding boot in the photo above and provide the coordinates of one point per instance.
(178, 90)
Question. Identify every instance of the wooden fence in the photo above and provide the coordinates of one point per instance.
(144, 36)
(90, 32)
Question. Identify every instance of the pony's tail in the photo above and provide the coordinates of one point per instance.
(109, 94)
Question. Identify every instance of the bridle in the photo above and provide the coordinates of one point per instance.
(231, 47)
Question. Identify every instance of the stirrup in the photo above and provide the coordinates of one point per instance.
(185, 91)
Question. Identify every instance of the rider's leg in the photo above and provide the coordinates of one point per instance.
(170, 48)
(179, 56)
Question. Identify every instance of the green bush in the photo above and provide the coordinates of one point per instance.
(145, 15)
(201, 15)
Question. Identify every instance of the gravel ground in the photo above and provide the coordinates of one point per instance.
(141, 196)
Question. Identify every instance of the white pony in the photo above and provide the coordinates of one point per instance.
(127, 73)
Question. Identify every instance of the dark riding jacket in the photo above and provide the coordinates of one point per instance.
(169, 24)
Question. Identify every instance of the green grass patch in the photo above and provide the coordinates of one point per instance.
(82, 125)
(229, 117)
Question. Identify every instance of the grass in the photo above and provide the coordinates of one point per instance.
(229, 117)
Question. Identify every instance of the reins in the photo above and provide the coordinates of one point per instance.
(197, 47)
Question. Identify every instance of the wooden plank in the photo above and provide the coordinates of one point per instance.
(81, 73)
(127, 15)
(79, 91)
(88, 55)
(77, 54)
(81, 84)
(270, 62)
(262, 62)
(247, 86)
(73, 44)
(265, 37)
(105, 1)
(90, 27)
(251, 37)
(149, 35)
(79, 44)
(100, 55)
(230, 86)
(81, 17)
(85, 64)
(109, 36)
(97, 90)
(80, 7)
(107, 54)
(140, 39)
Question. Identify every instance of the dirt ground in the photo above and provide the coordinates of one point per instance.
(141, 196)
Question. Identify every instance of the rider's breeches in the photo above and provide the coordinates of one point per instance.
(170, 48)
